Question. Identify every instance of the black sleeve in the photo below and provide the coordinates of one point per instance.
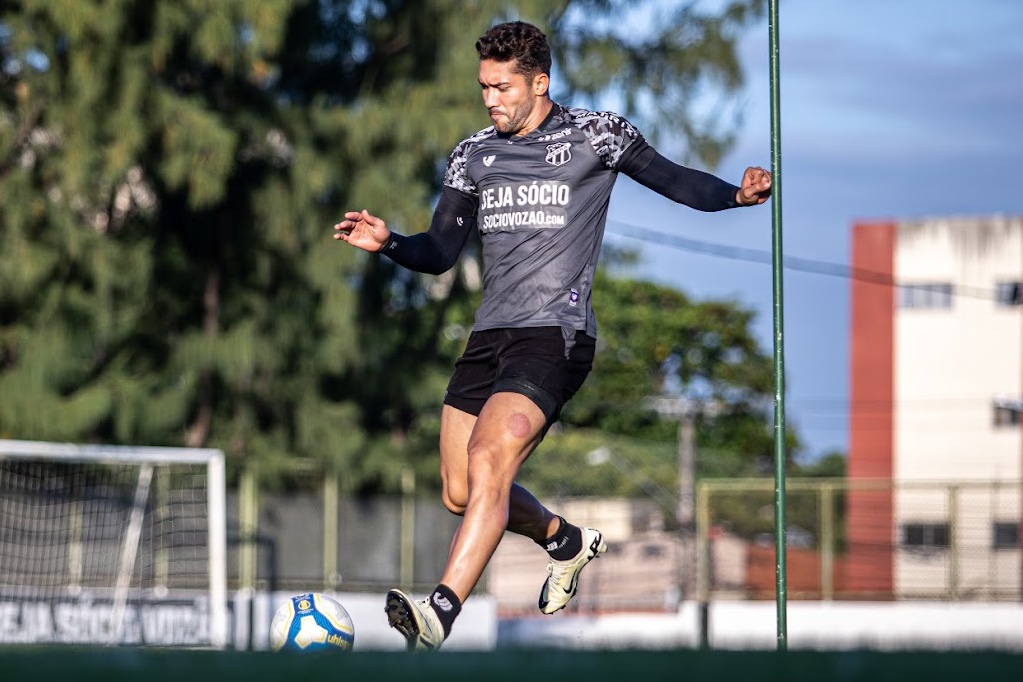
(437, 249)
(694, 188)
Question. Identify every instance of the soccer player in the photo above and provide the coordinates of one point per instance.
(536, 185)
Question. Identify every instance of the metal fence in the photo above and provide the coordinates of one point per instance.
(945, 540)
(863, 540)
(306, 534)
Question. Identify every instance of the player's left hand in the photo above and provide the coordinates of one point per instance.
(755, 188)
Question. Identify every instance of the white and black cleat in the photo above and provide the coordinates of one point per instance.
(563, 576)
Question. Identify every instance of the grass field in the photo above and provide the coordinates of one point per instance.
(110, 665)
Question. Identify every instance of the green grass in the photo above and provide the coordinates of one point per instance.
(111, 665)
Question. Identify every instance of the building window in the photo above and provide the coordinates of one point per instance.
(932, 295)
(1008, 294)
(925, 535)
(1004, 535)
(1007, 412)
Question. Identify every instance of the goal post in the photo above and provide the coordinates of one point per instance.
(112, 545)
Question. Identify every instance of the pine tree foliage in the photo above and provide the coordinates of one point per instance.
(170, 171)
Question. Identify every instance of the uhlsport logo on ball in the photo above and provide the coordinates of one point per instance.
(311, 622)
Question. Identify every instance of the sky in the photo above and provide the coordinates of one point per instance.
(889, 110)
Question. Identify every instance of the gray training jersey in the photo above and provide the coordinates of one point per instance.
(542, 203)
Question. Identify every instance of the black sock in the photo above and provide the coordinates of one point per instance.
(446, 605)
(565, 543)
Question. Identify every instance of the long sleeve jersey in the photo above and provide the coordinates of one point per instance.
(540, 202)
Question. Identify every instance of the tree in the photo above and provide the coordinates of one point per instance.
(171, 171)
(656, 341)
(829, 465)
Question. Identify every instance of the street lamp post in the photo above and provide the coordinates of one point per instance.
(685, 411)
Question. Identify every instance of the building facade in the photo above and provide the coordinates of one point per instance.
(936, 382)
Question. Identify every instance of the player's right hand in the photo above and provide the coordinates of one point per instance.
(362, 230)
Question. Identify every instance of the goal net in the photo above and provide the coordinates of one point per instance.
(112, 545)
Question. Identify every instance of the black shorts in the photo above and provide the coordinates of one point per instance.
(545, 364)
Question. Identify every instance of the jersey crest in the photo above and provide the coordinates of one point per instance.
(559, 153)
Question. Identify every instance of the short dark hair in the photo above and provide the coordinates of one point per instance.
(520, 42)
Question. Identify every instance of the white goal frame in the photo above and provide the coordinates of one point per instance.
(145, 457)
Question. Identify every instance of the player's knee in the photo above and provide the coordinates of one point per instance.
(454, 503)
(454, 493)
(490, 470)
(482, 458)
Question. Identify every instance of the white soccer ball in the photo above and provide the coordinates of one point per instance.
(311, 622)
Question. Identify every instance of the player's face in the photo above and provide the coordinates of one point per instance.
(510, 97)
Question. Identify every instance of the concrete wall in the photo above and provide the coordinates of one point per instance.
(884, 626)
(810, 625)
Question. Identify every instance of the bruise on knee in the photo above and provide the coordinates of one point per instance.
(519, 426)
(542, 398)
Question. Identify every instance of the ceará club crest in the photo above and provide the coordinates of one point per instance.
(559, 153)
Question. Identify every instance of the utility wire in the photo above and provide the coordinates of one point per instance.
(819, 267)
(790, 262)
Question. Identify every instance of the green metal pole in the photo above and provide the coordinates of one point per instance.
(330, 530)
(826, 545)
(248, 525)
(703, 560)
(407, 547)
(781, 578)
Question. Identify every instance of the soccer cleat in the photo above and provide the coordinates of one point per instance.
(415, 620)
(563, 576)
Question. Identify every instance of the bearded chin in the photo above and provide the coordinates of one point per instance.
(515, 125)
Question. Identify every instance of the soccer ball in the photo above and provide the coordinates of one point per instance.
(311, 622)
